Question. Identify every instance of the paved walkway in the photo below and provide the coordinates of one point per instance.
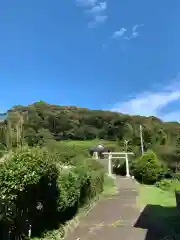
(112, 218)
(118, 218)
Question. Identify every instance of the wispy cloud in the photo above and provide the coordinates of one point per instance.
(152, 103)
(96, 20)
(134, 33)
(148, 103)
(95, 9)
(122, 33)
(86, 3)
(119, 33)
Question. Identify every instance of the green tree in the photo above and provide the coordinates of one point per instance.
(147, 168)
(69, 122)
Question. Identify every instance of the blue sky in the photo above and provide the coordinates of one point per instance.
(120, 55)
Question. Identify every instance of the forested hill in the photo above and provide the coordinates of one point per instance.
(63, 122)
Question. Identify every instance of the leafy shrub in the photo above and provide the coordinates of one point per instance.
(67, 152)
(35, 187)
(164, 184)
(176, 175)
(169, 184)
(27, 180)
(147, 168)
(169, 155)
(91, 174)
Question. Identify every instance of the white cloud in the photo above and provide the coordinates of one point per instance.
(101, 7)
(100, 19)
(119, 33)
(134, 33)
(95, 9)
(147, 104)
(97, 19)
(152, 104)
(86, 3)
(135, 27)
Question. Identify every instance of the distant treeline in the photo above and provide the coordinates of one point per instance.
(43, 121)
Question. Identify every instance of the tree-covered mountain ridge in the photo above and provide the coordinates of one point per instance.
(41, 122)
(71, 122)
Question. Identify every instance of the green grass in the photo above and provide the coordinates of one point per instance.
(155, 196)
(159, 209)
(88, 142)
(110, 187)
(91, 143)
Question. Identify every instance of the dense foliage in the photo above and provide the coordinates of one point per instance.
(43, 121)
(171, 185)
(147, 168)
(35, 186)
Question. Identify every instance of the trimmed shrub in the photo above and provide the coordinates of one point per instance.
(147, 168)
(91, 176)
(28, 190)
(36, 190)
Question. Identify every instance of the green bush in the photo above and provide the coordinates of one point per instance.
(35, 187)
(27, 182)
(164, 184)
(68, 153)
(91, 174)
(176, 175)
(169, 155)
(169, 184)
(147, 168)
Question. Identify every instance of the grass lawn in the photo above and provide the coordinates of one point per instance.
(86, 144)
(158, 210)
(155, 196)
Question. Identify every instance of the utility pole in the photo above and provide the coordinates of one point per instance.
(126, 145)
(141, 137)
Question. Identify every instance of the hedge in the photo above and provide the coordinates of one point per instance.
(36, 191)
(27, 180)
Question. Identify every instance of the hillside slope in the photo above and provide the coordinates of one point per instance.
(45, 121)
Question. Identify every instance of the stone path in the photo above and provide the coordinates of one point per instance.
(112, 218)
(118, 218)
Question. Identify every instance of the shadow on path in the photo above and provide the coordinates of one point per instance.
(162, 223)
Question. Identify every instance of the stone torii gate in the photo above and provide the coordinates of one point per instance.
(113, 155)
